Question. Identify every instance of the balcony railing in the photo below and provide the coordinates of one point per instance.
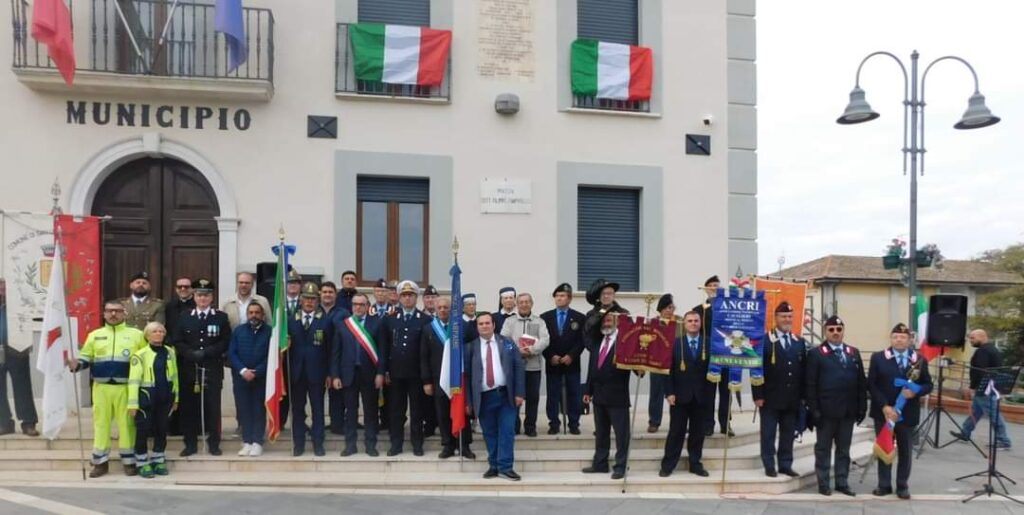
(345, 79)
(169, 40)
(603, 104)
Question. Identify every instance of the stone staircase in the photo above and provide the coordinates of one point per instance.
(548, 463)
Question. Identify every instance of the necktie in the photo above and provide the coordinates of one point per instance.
(202, 316)
(490, 366)
(785, 342)
(561, 321)
(305, 322)
(902, 361)
(604, 350)
(839, 351)
(408, 316)
(693, 347)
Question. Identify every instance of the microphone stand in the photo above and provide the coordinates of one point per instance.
(934, 417)
(1006, 380)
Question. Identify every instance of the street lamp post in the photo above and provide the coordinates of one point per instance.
(858, 110)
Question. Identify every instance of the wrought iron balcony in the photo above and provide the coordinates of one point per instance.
(172, 45)
(346, 83)
(603, 104)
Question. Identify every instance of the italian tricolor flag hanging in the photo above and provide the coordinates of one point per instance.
(611, 70)
(399, 54)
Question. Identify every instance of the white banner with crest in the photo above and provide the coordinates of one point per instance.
(27, 260)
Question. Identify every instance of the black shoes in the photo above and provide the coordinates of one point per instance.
(532, 433)
(417, 451)
(372, 452)
(845, 490)
(771, 473)
(7, 429)
(130, 470)
(318, 450)
(187, 451)
(298, 450)
(709, 432)
(574, 430)
(881, 492)
(824, 490)
(394, 452)
(468, 454)
(959, 436)
(29, 430)
(510, 475)
(215, 451)
(903, 494)
(552, 430)
(446, 453)
(594, 470)
(349, 451)
(618, 475)
(664, 473)
(789, 472)
(699, 470)
(491, 473)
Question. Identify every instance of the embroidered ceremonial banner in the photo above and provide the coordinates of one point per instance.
(80, 239)
(27, 261)
(644, 345)
(778, 291)
(737, 328)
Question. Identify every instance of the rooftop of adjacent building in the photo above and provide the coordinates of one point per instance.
(869, 269)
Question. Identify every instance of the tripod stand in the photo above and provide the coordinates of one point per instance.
(934, 418)
(998, 383)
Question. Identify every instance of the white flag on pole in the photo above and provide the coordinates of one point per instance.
(54, 348)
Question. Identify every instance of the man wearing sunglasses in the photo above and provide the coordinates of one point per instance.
(182, 302)
(836, 390)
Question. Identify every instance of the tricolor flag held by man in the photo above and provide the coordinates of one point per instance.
(51, 26)
(400, 54)
(54, 349)
(452, 375)
(229, 19)
(611, 70)
(921, 340)
(278, 344)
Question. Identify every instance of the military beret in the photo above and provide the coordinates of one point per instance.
(784, 307)
(310, 290)
(140, 275)
(900, 328)
(203, 286)
(712, 279)
(834, 320)
(508, 290)
(380, 283)
(665, 301)
(408, 286)
(564, 288)
(393, 285)
(430, 290)
(294, 277)
(469, 297)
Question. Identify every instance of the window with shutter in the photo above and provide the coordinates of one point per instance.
(395, 12)
(608, 236)
(612, 21)
(391, 235)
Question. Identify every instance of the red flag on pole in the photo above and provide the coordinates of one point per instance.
(51, 26)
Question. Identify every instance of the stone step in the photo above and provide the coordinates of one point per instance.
(736, 480)
(278, 458)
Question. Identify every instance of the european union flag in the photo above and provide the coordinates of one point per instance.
(229, 20)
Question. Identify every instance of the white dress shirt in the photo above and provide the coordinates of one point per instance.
(499, 373)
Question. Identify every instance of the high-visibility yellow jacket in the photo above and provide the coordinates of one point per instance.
(107, 351)
(142, 379)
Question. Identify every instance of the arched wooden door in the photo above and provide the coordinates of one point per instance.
(162, 221)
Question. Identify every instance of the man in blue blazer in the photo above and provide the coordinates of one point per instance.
(357, 369)
(689, 396)
(310, 332)
(496, 385)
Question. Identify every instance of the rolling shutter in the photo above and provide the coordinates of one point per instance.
(612, 21)
(608, 236)
(392, 189)
(395, 12)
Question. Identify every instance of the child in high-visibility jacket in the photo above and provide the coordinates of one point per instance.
(152, 396)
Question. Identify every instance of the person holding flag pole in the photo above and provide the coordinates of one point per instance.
(451, 372)
(55, 349)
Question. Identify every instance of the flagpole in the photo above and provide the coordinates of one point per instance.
(163, 34)
(131, 35)
(462, 457)
(649, 299)
(74, 378)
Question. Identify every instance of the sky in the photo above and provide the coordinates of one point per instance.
(826, 189)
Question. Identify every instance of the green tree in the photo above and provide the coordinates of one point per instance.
(1001, 313)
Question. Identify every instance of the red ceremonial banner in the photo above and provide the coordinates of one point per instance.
(81, 239)
(645, 345)
(776, 292)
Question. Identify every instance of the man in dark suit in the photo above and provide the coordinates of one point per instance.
(887, 374)
(608, 388)
(201, 342)
(404, 330)
(310, 332)
(781, 395)
(687, 393)
(431, 358)
(722, 387)
(336, 313)
(496, 387)
(836, 392)
(357, 369)
(562, 360)
(348, 290)
(181, 303)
